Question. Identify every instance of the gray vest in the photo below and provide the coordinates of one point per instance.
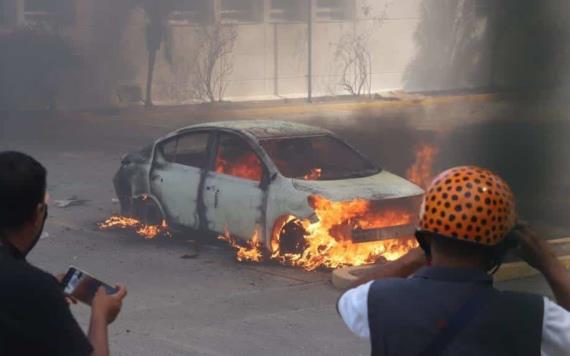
(406, 314)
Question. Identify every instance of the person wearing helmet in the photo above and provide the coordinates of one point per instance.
(439, 299)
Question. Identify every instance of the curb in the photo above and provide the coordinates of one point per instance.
(343, 278)
(259, 109)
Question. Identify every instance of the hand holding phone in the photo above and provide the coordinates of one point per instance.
(80, 285)
(107, 306)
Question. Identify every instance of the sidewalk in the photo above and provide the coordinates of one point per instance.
(422, 112)
(267, 109)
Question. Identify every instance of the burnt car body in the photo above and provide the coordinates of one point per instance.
(245, 178)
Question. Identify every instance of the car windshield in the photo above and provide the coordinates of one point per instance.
(321, 157)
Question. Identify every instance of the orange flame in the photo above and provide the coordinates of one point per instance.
(252, 251)
(246, 166)
(327, 242)
(328, 247)
(314, 174)
(146, 231)
(421, 171)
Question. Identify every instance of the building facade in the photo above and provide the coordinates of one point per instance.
(276, 48)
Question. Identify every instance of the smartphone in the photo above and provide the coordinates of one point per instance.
(82, 286)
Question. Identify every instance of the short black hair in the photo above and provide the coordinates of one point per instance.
(22, 188)
(461, 247)
(490, 256)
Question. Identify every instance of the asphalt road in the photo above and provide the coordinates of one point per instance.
(209, 305)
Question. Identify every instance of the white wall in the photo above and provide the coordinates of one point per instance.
(390, 25)
(414, 45)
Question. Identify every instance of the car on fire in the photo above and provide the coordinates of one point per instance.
(258, 179)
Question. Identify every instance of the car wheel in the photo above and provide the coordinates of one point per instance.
(148, 212)
(123, 192)
(292, 238)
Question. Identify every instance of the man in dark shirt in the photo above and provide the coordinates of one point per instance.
(34, 315)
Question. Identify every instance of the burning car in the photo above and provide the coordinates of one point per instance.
(287, 191)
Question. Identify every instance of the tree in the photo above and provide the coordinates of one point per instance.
(356, 63)
(157, 12)
(354, 56)
(213, 60)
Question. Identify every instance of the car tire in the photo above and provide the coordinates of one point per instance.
(292, 238)
(147, 211)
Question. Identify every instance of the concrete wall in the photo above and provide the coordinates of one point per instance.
(270, 59)
(413, 45)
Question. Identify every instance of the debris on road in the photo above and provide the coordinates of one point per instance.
(189, 256)
(71, 201)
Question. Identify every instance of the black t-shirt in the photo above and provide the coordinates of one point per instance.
(34, 316)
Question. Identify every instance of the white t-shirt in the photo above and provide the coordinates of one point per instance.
(353, 308)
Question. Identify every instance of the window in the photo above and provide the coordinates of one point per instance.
(242, 10)
(335, 10)
(236, 158)
(167, 150)
(40, 5)
(39, 11)
(288, 10)
(187, 149)
(2, 12)
(317, 158)
(188, 11)
(482, 7)
(192, 150)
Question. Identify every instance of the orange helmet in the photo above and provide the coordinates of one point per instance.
(469, 203)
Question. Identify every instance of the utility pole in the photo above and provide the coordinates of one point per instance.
(310, 52)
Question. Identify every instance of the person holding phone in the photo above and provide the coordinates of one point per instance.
(439, 299)
(34, 314)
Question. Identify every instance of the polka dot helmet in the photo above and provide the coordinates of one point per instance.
(469, 203)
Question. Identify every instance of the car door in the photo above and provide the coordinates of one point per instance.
(233, 196)
(175, 177)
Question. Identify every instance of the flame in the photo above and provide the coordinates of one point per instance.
(327, 242)
(146, 231)
(252, 251)
(314, 174)
(328, 246)
(421, 171)
(245, 166)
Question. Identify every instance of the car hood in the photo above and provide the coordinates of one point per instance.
(383, 185)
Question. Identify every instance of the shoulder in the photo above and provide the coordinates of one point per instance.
(528, 304)
(555, 329)
(353, 309)
(359, 293)
(387, 288)
(28, 282)
(394, 282)
(522, 296)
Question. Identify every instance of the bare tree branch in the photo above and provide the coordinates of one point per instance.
(214, 62)
(355, 58)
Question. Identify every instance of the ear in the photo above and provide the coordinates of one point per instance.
(424, 240)
(39, 214)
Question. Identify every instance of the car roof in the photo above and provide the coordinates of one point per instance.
(263, 129)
